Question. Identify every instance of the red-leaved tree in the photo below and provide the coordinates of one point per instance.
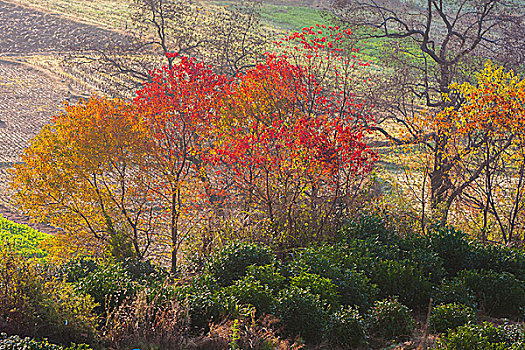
(179, 105)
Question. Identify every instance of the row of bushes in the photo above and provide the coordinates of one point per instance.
(354, 291)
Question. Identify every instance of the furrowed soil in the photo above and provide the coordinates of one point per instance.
(29, 94)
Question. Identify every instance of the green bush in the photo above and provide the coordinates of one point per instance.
(366, 226)
(450, 316)
(485, 336)
(355, 288)
(251, 291)
(14, 342)
(315, 284)
(205, 304)
(145, 271)
(268, 275)
(346, 328)
(454, 291)
(400, 278)
(76, 269)
(38, 304)
(390, 320)
(498, 294)
(323, 260)
(109, 285)
(497, 258)
(453, 247)
(231, 262)
(301, 314)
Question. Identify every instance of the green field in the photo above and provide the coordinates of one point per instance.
(23, 238)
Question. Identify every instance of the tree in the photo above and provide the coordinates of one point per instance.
(88, 173)
(432, 44)
(291, 138)
(230, 38)
(485, 141)
(179, 106)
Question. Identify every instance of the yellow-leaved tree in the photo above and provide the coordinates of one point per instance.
(87, 173)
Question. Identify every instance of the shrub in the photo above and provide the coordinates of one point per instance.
(454, 291)
(450, 316)
(76, 269)
(315, 284)
(267, 275)
(452, 247)
(346, 328)
(145, 271)
(366, 226)
(485, 336)
(109, 286)
(322, 260)
(231, 262)
(14, 342)
(205, 304)
(498, 258)
(400, 278)
(251, 291)
(355, 288)
(498, 294)
(301, 313)
(36, 303)
(390, 320)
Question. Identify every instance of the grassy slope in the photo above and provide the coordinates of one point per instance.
(24, 238)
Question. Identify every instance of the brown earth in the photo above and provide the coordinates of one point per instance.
(29, 95)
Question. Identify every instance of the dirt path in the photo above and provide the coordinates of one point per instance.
(28, 95)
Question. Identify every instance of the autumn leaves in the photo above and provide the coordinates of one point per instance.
(275, 147)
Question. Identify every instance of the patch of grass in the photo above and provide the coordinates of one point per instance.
(291, 18)
(24, 239)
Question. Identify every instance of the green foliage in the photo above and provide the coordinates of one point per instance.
(301, 313)
(109, 285)
(400, 278)
(366, 226)
(317, 285)
(14, 342)
(23, 238)
(452, 247)
(455, 291)
(485, 336)
(497, 258)
(231, 262)
(390, 320)
(346, 328)
(355, 288)
(450, 316)
(325, 260)
(205, 303)
(37, 303)
(79, 268)
(251, 291)
(267, 275)
(498, 294)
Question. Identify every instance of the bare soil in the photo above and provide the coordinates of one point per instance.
(30, 96)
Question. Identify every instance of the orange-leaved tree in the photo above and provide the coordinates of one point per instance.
(88, 173)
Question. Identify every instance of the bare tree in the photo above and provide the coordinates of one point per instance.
(230, 38)
(428, 45)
